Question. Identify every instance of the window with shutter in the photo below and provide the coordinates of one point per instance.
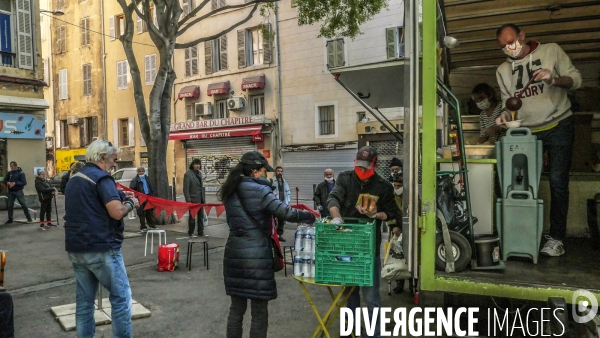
(191, 61)
(122, 71)
(150, 68)
(63, 89)
(123, 132)
(393, 44)
(189, 112)
(111, 28)
(85, 31)
(87, 79)
(255, 47)
(223, 53)
(326, 120)
(61, 32)
(64, 134)
(266, 43)
(241, 42)
(208, 57)
(336, 55)
(131, 131)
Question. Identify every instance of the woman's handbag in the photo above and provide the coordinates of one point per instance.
(274, 245)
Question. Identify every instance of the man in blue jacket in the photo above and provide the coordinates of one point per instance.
(16, 181)
(94, 211)
(141, 183)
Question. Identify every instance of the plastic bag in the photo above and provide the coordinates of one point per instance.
(394, 263)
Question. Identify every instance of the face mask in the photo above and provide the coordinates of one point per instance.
(513, 50)
(483, 105)
(399, 191)
(364, 175)
(141, 176)
(329, 179)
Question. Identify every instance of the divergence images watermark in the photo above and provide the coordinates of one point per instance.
(463, 322)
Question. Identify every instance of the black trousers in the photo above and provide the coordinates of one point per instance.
(196, 219)
(146, 216)
(260, 317)
(46, 209)
(7, 322)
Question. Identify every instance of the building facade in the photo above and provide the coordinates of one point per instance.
(22, 104)
(226, 94)
(322, 125)
(73, 51)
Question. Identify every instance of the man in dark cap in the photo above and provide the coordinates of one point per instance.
(396, 167)
(363, 184)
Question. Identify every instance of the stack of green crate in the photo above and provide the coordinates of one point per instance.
(345, 253)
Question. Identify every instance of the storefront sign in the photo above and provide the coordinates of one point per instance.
(218, 123)
(26, 126)
(258, 137)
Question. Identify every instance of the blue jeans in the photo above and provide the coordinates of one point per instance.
(19, 196)
(107, 268)
(371, 296)
(558, 142)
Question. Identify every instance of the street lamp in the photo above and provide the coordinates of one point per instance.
(57, 12)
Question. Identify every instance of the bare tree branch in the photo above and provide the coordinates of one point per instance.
(214, 36)
(193, 12)
(183, 29)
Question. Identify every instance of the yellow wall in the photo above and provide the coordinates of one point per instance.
(73, 60)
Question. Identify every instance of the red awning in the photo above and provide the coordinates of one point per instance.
(199, 134)
(218, 88)
(255, 82)
(189, 91)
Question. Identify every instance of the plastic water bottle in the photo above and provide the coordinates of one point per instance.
(299, 238)
(308, 240)
(306, 265)
(132, 214)
(313, 240)
(297, 266)
(313, 266)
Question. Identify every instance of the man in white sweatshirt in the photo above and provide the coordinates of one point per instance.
(546, 111)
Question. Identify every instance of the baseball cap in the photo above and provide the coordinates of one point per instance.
(256, 159)
(366, 157)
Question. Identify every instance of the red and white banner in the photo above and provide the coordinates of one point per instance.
(160, 204)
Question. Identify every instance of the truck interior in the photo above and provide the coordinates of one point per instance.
(469, 28)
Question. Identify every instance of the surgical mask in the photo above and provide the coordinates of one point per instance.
(399, 191)
(364, 175)
(329, 179)
(513, 50)
(141, 176)
(483, 105)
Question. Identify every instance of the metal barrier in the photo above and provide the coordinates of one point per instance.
(30, 210)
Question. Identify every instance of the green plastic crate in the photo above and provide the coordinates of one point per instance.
(357, 237)
(331, 269)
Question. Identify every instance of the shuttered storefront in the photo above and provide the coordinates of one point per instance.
(305, 168)
(218, 156)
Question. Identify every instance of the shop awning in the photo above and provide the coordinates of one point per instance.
(218, 88)
(255, 82)
(22, 103)
(189, 92)
(200, 134)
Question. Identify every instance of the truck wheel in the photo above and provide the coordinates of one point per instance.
(461, 248)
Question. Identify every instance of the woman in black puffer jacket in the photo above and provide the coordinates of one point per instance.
(248, 264)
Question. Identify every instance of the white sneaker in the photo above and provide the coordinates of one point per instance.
(553, 247)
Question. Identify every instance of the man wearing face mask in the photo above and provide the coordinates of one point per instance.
(281, 189)
(546, 110)
(322, 192)
(343, 201)
(396, 167)
(141, 183)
